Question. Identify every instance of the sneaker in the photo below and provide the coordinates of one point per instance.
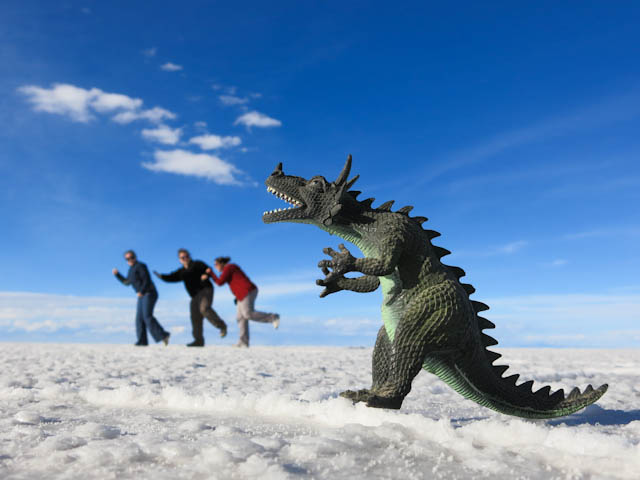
(196, 343)
(223, 331)
(241, 345)
(165, 340)
(276, 321)
(141, 344)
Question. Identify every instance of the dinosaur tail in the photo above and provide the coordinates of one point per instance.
(477, 379)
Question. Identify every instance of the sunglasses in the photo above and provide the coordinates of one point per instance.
(128, 259)
(183, 257)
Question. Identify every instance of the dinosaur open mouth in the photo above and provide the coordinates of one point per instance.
(282, 213)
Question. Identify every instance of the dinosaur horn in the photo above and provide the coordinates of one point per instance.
(277, 170)
(345, 172)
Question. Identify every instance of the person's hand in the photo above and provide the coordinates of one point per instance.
(115, 271)
(204, 277)
(155, 272)
(140, 294)
(209, 271)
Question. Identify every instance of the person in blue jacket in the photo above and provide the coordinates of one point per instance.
(138, 277)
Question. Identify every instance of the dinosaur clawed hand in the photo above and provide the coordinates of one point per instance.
(341, 262)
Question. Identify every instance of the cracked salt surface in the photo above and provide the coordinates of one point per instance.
(101, 411)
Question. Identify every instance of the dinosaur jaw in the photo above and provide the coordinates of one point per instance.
(295, 212)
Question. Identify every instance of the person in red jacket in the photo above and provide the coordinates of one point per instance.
(245, 292)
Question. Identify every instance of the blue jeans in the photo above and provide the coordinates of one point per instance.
(145, 319)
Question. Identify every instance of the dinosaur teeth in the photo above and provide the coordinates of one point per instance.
(285, 197)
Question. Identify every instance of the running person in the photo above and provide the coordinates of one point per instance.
(200, 289)
(245, 292)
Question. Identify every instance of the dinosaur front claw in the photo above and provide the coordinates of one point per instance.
(341, 262)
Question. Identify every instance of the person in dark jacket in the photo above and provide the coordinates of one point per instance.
(201, 293)
(138, 277)
(245, 292)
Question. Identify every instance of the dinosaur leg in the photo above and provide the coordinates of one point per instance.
(405, 358)
(381, 364)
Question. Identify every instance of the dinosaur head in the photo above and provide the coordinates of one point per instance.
(315, 201)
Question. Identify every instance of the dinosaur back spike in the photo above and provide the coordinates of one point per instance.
(368, 202)
(441, 252)
(457, 271)
(468, 288)
(483, 323)
(406, 209)
(488, 341)
(432, 234)
(354, 193)
(386, 205)
(479, 306)
(420, 220)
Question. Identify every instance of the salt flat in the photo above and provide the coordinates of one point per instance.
(118, 411)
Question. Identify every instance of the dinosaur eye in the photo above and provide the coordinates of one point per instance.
(316, 183)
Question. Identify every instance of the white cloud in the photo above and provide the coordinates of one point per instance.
(163, 134)
(212, 142)
(80, 104)
(203, 165)
(150, 52)
(62, 99)
(155, 115)
(257, 119)
(171, 67)
(108, 102)
(232, 100)
(512, 247)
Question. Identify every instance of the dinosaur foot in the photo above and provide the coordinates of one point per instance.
(377, 401)
(373, 400)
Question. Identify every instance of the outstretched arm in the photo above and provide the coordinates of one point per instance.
(343, 262)
(175, 276)
(364, 284)
(119, 276)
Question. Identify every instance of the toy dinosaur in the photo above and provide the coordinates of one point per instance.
(429, 320)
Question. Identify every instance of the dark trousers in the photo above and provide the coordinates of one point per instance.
(201, 307)
(145, 319)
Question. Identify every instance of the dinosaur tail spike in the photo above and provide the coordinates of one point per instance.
(477, 379)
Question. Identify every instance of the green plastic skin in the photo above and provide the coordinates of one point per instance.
(429, 320)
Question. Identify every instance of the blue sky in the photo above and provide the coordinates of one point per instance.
(514, 128)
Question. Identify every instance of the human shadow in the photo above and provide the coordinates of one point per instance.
(595, 415)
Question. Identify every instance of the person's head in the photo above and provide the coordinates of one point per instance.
(184, 257)
(220, 262)
(130, 257)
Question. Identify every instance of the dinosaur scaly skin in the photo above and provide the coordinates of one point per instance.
(429, 320)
